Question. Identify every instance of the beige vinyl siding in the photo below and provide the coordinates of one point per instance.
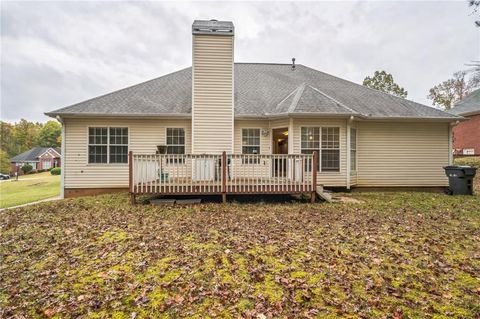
(332, 179)
(144, 136)
(263, 167)
(265, 141)
(212, 94)
(280, 123)
(402, 154)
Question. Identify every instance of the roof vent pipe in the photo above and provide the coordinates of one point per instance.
(293, 64)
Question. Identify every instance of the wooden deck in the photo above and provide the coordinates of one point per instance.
(189, 174)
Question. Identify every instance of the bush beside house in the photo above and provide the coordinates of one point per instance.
(56, 171)
(470, 161)
(27, 168)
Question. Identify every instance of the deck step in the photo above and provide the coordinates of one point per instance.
(324, 194)
(164, 201)
(188, 201)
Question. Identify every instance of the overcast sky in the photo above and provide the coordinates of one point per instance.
(55, 54)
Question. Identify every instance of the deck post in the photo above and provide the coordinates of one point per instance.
(314, 178)
(224, 177)
(130, 177)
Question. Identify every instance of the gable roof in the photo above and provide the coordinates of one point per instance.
(33, 154)
(260, 90)
(469, 105)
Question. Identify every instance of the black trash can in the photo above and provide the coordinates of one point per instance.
(460, 179)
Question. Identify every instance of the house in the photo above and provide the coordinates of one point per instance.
(40, 158)
(466, 134)
(221, 127)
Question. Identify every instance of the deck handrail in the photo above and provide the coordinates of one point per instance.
(222, 173)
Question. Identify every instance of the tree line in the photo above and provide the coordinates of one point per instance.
(21, 136)
(443, 95)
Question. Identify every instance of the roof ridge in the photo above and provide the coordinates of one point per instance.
(266, 63)
(300, 89)
(378, 91)
(334, 100)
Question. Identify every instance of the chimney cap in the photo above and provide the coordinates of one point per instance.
(212, 27)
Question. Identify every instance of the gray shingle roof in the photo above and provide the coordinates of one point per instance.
(469, 105)
(32, 154)
(260, 90)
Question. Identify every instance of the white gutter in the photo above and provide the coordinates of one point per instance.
(450, 142)
(131, 115)
(255, 116)
(349, 159)
(62, 157)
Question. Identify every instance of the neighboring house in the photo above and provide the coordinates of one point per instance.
(268, 118)
(466, 134)
(40, 158)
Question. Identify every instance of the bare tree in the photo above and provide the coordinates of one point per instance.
(454, 89)
(476, 5)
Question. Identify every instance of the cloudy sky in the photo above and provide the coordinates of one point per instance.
(54, 54)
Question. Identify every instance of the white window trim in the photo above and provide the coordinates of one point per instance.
(184, 145)
(320, 147)
(108, 144)
(185, 137)
(259, 139)
(252, 161)
(356, 149)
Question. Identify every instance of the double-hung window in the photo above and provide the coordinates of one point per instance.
(310, 138)
(326, 142)
(175, 143)
(251, 144)
(353, 149)
(330, 153)
(108, 145)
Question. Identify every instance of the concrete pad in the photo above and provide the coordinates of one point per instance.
(162, 201)
(188, 201)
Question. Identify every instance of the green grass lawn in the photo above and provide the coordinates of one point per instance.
(29, 188)
(393, 255)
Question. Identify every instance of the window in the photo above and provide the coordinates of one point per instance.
(330, 158)
(46, 164)
(250, 144)
(353, 149)
(97, 145)
(310, 138)
(175, 143)
(107, 145)
(118, 145)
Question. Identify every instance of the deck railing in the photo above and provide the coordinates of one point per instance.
(221, 174)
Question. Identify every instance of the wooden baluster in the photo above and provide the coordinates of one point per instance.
(314, 177)
(130, 172)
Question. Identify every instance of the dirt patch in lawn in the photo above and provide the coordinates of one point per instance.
(37, 184)
(347, 199)
(399, 255)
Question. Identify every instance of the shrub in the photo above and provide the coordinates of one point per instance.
(56, 171)
(470, 161)
(27, 168)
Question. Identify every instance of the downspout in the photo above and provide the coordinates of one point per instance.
(290, 136)
(450, 142)
(62, 159)
(349, 159)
